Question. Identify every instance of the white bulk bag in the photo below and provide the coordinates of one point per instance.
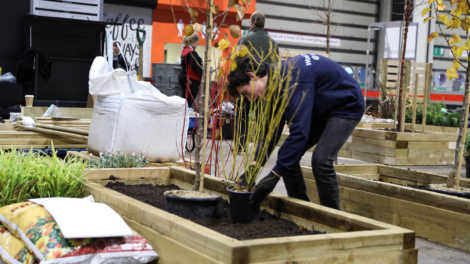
(133, 116)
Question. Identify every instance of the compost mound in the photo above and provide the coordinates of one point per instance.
(267, 226)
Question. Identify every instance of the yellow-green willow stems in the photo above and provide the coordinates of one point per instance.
(264, 121)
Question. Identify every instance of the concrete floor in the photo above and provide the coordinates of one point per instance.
(428, 252)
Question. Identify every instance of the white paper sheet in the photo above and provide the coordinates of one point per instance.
(80, 218)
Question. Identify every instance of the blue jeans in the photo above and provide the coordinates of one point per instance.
(328, 135)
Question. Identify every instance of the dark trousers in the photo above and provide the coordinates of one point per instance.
(328, 136)
(191, 89)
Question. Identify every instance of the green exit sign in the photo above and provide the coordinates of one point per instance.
(439, 51)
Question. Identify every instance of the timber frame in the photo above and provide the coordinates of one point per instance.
(398, 148)
(349, 238)
(377, 192)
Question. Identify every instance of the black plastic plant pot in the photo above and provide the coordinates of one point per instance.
(191, 208)
(467, 167)
(458, 194)
(241, 210)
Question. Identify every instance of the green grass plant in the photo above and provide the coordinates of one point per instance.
(26, 175)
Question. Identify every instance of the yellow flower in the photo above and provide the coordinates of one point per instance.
(78, 242)
(55, 253)
(29, 259)
(48, 226)
(41, 244)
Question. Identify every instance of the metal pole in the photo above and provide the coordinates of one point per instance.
(367, 66)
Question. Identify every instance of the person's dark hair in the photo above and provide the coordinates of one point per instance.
(257, 18)
(239, 77)
(115, 44)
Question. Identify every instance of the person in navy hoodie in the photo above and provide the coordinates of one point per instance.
(325, 118)
(191, 63)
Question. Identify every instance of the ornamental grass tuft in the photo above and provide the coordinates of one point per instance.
(27, 175)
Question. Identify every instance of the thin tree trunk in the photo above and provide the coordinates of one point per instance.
(401, 95)
(202, 122)
(454, 175)
(328, 21)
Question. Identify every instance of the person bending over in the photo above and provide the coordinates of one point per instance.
(325, 107)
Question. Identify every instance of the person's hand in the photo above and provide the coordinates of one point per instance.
(264, 187)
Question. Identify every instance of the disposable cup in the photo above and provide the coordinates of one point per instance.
(29, 100)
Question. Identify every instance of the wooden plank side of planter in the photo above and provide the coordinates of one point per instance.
(446, 202)
(357, 247)
(391, 152)
(422, 161)
(419, 176)
(354, 169)
(380, 142)
(374, 158)
(425, 137)
(439, 225)
(178, 252)
(206, 241)
(370, 133)
(131, 173)
(428, 145)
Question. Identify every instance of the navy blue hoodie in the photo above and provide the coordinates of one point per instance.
(329, 91)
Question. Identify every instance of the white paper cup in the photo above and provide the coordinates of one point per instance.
(29, 100)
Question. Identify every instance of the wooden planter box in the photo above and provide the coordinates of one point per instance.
(441, 218)
(406, 149)
(349, 238)
(418, 127)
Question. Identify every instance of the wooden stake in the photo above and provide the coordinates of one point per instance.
(406, 79)
(207, 62)
(66, 129)
(415, 98)
(464, 135)
(426, 92)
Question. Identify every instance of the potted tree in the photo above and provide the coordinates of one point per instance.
(195, 203)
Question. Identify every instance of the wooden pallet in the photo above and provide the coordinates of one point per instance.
(441, 218)
(349, 238)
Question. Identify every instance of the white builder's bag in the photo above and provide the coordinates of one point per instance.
(133, 116)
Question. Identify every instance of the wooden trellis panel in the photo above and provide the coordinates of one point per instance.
(390, 77)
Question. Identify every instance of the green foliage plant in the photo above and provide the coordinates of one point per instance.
(466, 148)
(119, 160)
(29, 175)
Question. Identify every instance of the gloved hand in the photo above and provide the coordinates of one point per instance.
(264, 187)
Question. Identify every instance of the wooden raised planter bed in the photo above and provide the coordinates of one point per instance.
(349, 238)
(438, 217)
(418, 127)
(396, 148)
(406, 149)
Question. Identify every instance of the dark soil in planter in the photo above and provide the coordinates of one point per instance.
(457, 194)
(267, 226)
